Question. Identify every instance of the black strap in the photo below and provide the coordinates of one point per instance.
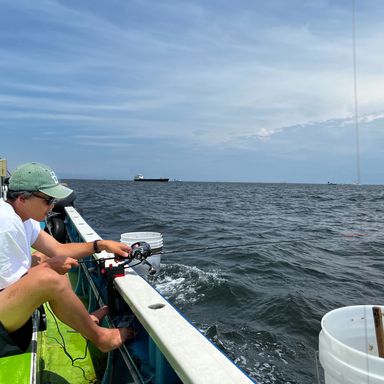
(96, 247)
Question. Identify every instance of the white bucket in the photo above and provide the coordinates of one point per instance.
(154, 239)
(347, 347)
(140, 235)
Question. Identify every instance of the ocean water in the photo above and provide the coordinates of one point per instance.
(253, 266)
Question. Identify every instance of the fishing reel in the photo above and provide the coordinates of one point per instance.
(139, 251)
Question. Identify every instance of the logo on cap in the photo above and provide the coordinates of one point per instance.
(54, 177)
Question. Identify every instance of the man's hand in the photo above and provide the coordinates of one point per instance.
(61, 264)
(115, 247)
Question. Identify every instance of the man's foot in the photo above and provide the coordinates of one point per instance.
(99, 314)
(113, 338)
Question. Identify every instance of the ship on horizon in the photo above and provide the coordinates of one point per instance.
(142, 178)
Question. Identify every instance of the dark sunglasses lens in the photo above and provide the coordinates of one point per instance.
(48, 200)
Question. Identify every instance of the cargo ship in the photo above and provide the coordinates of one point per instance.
(142, 178)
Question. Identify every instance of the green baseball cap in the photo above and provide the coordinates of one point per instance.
(35, 177)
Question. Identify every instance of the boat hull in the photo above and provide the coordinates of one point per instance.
(161, 180)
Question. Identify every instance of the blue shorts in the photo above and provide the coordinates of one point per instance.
(16, 342)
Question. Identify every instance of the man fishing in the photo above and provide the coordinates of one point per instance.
(27, 282)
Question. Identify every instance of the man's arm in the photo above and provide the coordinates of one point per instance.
(48, 245)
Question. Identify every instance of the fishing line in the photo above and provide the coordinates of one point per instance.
(358, 149)
(355, 91)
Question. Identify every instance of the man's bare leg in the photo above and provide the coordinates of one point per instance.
(42, 284)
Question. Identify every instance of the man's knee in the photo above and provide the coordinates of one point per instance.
(48, 279)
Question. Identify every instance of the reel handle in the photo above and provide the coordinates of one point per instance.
(140, 250)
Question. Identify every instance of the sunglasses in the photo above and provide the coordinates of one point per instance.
(49, 200)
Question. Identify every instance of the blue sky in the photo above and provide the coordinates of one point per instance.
(251, 90)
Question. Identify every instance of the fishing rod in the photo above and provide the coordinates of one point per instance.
(232, 246)
(142, 250)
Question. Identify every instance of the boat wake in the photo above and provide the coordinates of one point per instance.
(185, 285)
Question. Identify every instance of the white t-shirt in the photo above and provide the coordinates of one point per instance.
(16, 238)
